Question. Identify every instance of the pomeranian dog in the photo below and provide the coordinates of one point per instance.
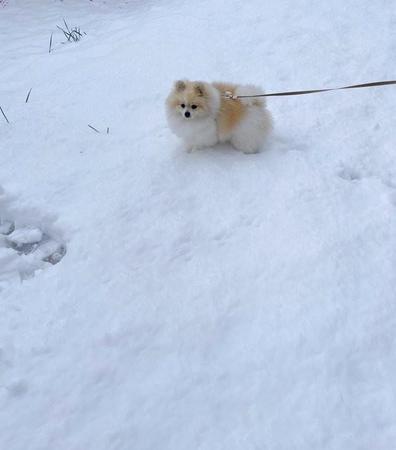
(204, 114)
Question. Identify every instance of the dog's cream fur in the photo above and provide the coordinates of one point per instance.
(213, 118)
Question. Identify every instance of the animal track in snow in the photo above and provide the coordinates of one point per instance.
(387, 179)
(349, 174)
(24, 247)
(23, 250)
(28, 240)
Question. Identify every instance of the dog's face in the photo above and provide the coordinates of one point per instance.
(189, 99)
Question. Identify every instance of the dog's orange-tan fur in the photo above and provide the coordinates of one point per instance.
(231, 112)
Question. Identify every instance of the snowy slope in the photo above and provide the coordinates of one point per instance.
(210, 300)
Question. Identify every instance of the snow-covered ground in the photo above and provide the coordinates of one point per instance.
(210, 300)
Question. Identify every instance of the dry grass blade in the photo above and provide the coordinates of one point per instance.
(67, 27)
(27, 98)
(93, 128)
(71, 34)
(76, 35)
(5, 117)
(67, 35)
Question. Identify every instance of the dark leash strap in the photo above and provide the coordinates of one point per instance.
(312, 91)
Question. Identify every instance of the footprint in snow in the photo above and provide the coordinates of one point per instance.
(29, 240)
(25, 249)
(349, 174)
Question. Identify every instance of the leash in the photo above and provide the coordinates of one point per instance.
(230, 95)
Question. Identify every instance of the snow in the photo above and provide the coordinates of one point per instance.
(25, 236)
(6, 227)
(210, 300)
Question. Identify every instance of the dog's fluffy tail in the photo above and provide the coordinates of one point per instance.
(250, 89)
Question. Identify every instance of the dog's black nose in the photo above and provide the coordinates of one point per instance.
(187, 114)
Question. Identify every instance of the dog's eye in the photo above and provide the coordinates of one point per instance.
(194, 106)
(183, 105)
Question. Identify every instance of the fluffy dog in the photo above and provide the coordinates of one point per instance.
(202, 114)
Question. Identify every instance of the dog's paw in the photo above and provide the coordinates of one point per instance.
(251, 152)
(193, 148)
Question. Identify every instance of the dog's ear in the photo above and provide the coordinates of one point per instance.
(180, 85)
(200, 89)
